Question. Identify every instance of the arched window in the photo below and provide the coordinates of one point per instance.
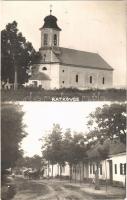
(44, 68)
(103, 80)
(55, 39)
(76, 78)
(90, 79)
(45, 39)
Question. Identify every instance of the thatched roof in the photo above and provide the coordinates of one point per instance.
(108, 148)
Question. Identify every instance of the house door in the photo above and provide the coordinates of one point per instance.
(110, 171)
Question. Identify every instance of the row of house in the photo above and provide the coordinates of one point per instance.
(111, 166)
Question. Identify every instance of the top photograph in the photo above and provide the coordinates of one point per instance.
(63, 51)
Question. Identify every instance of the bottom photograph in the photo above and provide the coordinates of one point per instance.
(63, 150)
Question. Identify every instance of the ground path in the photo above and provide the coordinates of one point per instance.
(48, 190)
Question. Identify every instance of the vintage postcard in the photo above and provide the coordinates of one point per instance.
(63, 94)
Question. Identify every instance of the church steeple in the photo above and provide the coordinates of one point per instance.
(50, 31)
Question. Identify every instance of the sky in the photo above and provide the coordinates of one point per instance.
(93, 26)
(39, 118)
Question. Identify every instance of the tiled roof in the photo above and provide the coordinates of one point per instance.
(116, 148)
(74, 57)
(83, 59)
(39, 76)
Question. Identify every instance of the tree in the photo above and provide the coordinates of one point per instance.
(12, 133)
(17, 54)
(74, 149)
(109, 122)
(52, 147)
(34, 162)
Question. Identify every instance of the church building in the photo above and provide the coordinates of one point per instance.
(59, 67)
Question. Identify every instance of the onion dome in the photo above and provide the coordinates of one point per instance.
(51, 22)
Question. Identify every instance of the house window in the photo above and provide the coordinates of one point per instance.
(90, 79)
(122, 168)
(76, 78)
(115, 168)
(103, 80)
(90, 168)
(44, 68)
(55, 40)
(100, 169)
(45, 39)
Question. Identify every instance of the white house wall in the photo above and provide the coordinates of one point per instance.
(56, 170)
(117, 159)
(81, 171)
(44, 84)
(105, 170)
(68, 75)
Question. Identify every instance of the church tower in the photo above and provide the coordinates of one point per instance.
(50, 32)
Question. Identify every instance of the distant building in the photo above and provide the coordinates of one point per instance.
(56, 171)
(60, 67)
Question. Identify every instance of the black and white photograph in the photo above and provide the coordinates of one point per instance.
(62, 151)
(63, 100)
(63, 50)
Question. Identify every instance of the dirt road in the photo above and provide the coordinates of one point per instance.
(48, 190)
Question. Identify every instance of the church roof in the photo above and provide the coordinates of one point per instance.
(39, 76)
(74, 57)
(51, 22)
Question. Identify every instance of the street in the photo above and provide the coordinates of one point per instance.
(48, 190)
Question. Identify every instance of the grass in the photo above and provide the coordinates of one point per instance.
(31, 187)
(64, 94)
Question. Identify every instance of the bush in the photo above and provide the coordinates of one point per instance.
(40, 94)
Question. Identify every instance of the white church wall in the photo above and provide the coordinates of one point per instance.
(52, 70)
(55, 76)
(68, 77)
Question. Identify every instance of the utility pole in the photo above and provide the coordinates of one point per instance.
(15, 74)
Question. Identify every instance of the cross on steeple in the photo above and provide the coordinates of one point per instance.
(50, 9)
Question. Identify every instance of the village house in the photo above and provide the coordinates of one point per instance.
(112, 166)
(54, 171)
(60, 67)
